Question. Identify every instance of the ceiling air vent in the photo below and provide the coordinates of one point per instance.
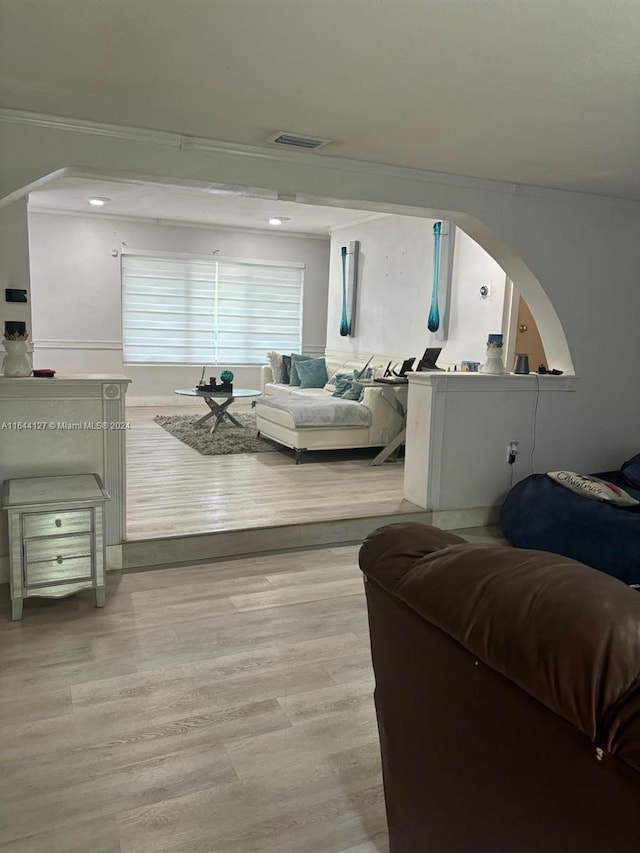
(296, 140)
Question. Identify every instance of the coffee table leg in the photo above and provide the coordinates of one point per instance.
(222, 413)
(233, 420)
(212, 413)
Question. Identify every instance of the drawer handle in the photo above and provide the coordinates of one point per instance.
(58, 522)
(59, 559)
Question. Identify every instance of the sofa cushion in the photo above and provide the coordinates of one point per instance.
(296, 358)
(277, 389)
(631, 471)
(323, 412)
(312, 373)
(318, 393)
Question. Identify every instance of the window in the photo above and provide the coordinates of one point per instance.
(188, 309)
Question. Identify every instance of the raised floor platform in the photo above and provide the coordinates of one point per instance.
(184, 507)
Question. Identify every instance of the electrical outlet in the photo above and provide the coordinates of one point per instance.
(512, 452)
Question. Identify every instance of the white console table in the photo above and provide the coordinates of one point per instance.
(56, 537)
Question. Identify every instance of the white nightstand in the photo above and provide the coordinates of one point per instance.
(56, 539)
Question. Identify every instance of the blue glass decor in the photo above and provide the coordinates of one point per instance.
(226, 376)
(344, 322)
(433, 323)
(350, 255)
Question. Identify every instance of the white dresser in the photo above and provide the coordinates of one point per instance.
(56, 537)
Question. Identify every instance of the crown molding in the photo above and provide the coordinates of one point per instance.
(177, 223)
(361, 221)
(189, 143)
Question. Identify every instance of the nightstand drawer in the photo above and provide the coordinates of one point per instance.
(57, 546)
(51, 571)
(53, 523)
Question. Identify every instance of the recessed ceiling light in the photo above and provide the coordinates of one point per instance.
(278, 220)
(99, 201)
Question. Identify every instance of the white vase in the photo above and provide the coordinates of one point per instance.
(494, 363)
(17, 361)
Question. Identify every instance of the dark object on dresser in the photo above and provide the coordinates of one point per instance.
(507, 696)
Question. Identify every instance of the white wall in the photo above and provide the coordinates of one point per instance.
(394, 292)
(14, 262)
(459, 427)
(472, 317)
(575, 256)
(77, 293)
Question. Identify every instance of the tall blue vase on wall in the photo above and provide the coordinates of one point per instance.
(344, 322)
(433, 322)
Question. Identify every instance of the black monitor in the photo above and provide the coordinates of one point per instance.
(428, 360)
(407, 365)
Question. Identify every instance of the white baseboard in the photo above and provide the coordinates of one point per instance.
(113, 557)
(458, 519)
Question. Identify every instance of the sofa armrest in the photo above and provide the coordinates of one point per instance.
(565, 633)
(266, 376)
(386, 417)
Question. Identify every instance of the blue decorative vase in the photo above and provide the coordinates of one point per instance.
(227, 377)
(344, 322)
(433, 323)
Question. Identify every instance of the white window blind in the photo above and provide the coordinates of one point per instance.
(190, 310)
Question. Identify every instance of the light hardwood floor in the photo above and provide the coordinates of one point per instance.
(219, 708)
(213, 709)
(174, 491)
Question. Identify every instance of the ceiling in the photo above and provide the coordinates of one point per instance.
(543, 93)
(190, 205)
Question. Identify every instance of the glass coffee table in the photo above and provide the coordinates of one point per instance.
(218, 402)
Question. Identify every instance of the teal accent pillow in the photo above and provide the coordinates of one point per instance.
(355, 391)
(294, 378)
(341, 385)
(312, 373)
(348, 390)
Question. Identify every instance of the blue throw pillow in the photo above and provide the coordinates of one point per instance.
(355, 391)
(341, 385)
(349, 390)
(312, 373)
(294, 378)
(631, 471)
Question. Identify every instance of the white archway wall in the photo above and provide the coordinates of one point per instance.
(583, 249)
(549, 325)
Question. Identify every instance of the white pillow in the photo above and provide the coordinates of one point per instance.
(592, 487)
(275, 360)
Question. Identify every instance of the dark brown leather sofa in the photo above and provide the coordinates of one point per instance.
(507, 695)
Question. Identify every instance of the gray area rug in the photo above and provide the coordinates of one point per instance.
(226, 439)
